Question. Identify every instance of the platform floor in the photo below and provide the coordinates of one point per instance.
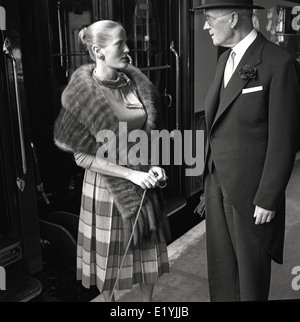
(187, 280)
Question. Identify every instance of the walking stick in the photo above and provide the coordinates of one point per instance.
(127, 248)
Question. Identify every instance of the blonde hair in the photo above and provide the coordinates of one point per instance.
(98, 34)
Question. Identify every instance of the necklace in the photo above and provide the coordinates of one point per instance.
(120, 81)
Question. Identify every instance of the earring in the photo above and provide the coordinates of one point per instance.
(101, 56)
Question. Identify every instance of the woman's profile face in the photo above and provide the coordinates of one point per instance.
(116, 50)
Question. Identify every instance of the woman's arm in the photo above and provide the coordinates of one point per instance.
(143, 179)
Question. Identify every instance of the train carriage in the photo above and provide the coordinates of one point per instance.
(40, 186)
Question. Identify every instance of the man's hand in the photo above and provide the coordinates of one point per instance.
(263, 216)
(200, 209)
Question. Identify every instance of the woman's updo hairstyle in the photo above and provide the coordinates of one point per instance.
(99, 33)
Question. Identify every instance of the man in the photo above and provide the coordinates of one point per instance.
(252, 120)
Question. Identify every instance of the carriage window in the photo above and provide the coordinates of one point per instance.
(152, 42)
(71, 17)
(140, 19)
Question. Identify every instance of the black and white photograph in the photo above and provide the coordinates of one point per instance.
(149, 153)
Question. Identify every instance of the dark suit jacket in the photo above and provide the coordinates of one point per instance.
(253, 136)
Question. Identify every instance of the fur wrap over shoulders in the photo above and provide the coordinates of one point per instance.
(84, 113)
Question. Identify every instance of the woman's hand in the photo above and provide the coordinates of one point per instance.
(160, 175)
(145, 180)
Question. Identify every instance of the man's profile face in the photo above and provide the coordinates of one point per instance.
(218, 24)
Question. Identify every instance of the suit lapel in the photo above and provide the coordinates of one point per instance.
(213, 95)
(234, 88)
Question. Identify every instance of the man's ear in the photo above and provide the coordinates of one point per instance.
(234, 20)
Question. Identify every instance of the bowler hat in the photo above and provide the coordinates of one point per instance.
(214, 4)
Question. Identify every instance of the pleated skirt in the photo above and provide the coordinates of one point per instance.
(100, 246)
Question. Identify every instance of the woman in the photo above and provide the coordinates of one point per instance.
(98, 97)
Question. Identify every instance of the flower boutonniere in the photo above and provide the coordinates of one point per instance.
(247, 72)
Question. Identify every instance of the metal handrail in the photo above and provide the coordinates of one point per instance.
(62, 33)
(172, 48)
(152, 68)
(8, 51)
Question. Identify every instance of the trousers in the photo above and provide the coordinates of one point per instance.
(239, 268)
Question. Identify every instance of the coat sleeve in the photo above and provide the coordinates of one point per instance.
(84, 160)
(283, 124)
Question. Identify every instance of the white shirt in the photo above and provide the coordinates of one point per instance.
(241, 48)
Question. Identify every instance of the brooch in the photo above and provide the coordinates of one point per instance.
(247, 72)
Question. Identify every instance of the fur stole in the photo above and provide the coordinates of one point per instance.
(85, 112)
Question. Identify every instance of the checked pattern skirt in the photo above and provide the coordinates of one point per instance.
(100, 246)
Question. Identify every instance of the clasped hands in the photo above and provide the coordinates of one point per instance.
(262, 216)
(155, 177)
